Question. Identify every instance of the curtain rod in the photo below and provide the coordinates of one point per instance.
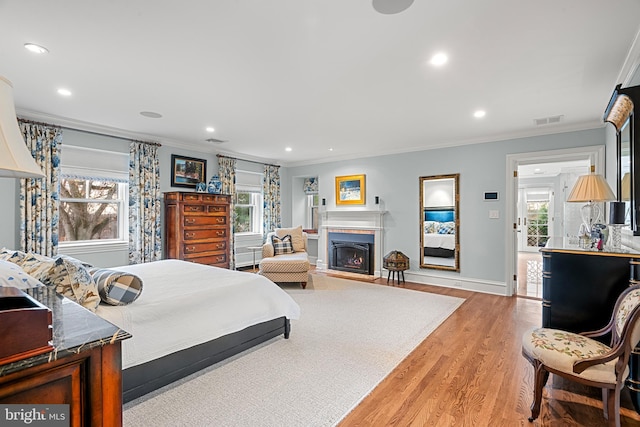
(250, 161)
(38, 123)
(86, 131)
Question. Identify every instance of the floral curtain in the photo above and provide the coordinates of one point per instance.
(271, 192)
(39, 198)
(227, 173)
(145, 243)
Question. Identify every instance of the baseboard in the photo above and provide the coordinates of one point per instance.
(476, 285)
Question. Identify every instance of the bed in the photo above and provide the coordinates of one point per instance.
(190, 316)
(439, 229)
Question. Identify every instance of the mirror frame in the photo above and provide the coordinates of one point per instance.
(620, 117)
(456, 211)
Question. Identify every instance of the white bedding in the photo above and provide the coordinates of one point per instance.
(179, 297)
(436, 240)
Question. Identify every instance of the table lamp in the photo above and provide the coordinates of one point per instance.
(591, 188)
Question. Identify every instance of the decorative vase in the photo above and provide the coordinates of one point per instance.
(201, 187)
(215, 185)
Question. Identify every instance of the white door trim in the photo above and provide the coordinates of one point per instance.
(596, 157)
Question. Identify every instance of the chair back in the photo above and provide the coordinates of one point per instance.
(627, 315)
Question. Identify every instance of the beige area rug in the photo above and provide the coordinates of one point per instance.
(349, 337)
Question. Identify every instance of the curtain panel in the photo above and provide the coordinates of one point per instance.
(145, 243)
(227, 174)
(271, 192)
(39, 198)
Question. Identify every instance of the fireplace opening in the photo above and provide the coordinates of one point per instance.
(354, 257)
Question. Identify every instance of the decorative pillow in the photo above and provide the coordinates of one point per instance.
(431, 227)
(67, 275)
(297, 239)
(116, 287)
(448, 227)
(14, 276)
(11, 255)
(282, 245)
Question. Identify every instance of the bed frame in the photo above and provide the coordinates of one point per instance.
(439, 252)
(142, 379)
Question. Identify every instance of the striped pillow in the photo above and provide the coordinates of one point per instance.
(116, 287)
(282, 245)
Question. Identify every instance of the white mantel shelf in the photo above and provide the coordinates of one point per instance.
(351, 220)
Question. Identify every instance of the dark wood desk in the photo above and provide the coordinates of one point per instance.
(84, 370)
(580, 289)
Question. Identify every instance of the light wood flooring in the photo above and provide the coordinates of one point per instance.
(470, 372)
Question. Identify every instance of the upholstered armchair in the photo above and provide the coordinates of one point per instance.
(284, 256)
(580, 358)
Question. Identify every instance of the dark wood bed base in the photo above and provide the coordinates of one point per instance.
(142, 379)
(439, 252)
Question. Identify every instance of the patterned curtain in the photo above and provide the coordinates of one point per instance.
(227, 173)
(39, 198)
(144, 203)
(271, 192)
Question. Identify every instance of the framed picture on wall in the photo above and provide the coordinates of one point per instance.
(350, 190)
(187, 171)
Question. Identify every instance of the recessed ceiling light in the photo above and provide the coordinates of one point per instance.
(479, 114)
(330, 149)
(390, 7)
(210, 129)
(32, 47)
(288, 149)
(64, 92)
(439, 59)
(150, 114)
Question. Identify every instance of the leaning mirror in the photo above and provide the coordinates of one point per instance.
(439, 222)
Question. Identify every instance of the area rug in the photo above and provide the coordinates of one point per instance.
(350, 335)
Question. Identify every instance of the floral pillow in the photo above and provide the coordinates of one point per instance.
(13, 276)
(282, 245)
(67, 275)
(13, 256)
(431, 227)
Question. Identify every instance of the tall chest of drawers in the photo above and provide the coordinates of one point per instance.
(197, 227)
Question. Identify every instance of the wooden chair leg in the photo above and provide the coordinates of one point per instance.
(540, 379)
(303, 285)
(611, 406)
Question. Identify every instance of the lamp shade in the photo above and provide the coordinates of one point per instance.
(15, 159)
(619, 111)
(617, 212)
(626, 186)
(591, 188)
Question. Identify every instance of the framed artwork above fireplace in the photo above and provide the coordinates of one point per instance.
(350, 190)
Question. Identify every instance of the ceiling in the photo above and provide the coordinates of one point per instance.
(315, 75)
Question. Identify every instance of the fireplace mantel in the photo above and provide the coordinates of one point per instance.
(354, 220)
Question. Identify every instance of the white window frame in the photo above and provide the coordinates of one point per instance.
(256, 214)
(117, 172)
(310, 205)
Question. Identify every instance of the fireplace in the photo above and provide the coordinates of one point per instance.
(352, 253)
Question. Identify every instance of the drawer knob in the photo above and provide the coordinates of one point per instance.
(220, 233)
(191, 234)
(190, 248)
(190, 221)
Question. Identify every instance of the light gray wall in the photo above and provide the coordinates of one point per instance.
(394, 178)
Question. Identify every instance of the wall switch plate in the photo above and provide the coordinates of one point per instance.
(494, 214)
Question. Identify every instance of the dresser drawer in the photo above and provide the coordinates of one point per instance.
(205, 209)
(196, 248)
(207, 233)
(205, 220)
(219, 260)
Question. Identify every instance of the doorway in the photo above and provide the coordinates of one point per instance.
(537, 188)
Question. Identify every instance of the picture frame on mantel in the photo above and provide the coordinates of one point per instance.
(350, 190)
(187, 171)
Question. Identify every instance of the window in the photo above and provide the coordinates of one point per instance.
(94, 196)
(248, 212)
(248, 208)
(91, 210)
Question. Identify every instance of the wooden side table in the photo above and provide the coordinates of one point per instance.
(396, 263)
(395, 274)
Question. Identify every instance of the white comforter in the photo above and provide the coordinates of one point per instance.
(435, 240)
(184, 304)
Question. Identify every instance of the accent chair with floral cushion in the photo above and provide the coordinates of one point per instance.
(284, 257)
(581, 358)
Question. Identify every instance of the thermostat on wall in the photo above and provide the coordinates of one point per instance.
(491, 195)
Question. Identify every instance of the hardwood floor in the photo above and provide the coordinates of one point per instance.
(470, 372)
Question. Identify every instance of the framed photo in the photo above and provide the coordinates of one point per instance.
(187, 171)
(350, 190)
